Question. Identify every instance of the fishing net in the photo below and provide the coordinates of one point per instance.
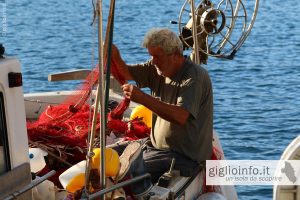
(67, 124)
(62, 130)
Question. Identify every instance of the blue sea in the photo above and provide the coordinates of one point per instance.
(256, 95)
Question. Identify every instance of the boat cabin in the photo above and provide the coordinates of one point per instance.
(14, 159)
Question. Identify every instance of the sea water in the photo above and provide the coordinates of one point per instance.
(256, 95)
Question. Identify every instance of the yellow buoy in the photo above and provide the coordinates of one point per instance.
(112, 162)
(144, 113)
(76, 183)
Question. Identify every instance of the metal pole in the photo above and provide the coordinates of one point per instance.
(99, 97)
(105, 85)
(102, 98)
(195, 36)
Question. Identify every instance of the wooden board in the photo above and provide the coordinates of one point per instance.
(69, 75)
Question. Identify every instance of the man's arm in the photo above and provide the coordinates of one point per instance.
(172, 113)
(119, 63)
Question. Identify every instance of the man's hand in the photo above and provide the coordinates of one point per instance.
(132, 92)
(172, 113)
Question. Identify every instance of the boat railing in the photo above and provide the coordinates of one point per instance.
(98, 194)
(28, 187)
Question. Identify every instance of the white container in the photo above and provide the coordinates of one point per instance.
(37, 160)
(65, 177)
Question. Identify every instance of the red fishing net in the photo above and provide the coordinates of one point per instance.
(132, 130)
(68, 123)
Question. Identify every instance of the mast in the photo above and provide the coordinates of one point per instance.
(102, 98)
(99, 100)
(102, 90)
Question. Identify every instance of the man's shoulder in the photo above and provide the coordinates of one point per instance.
(147, 63)
(194, 69)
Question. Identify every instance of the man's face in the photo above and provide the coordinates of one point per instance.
(162, 61)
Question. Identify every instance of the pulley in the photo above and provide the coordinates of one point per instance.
(218, 27)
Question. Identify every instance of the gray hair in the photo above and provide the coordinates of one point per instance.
(164, 38)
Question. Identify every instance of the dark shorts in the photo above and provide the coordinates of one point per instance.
(157, 161)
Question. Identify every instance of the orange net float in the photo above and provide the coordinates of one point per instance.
(143, 113)
(76, 183)
(112, 167)
(112, 161)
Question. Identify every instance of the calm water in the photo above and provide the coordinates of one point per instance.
(257, 95)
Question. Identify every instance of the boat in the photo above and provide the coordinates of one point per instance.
(207, 28)
(289, 192)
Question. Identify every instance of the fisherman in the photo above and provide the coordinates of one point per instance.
(181, 101)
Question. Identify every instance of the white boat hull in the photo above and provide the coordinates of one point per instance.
(36, 103)
(292, 152)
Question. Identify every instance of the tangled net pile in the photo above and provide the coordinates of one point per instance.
(67, 124)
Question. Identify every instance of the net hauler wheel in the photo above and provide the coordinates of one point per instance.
(220, 27)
